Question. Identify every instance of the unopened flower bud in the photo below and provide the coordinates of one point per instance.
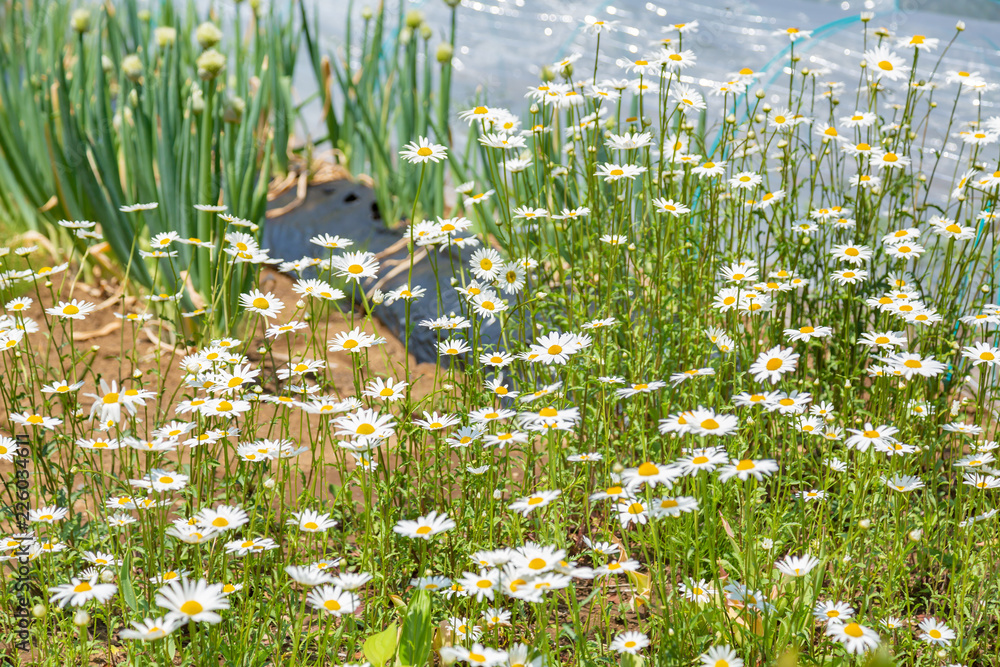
(414, 18)
(132, 67)
(197, 101)
(81, 21)
(233, 113)
(38, 611)
(165, 36)
(81, 618)
(444, 53)
(269, 483)
(208, 35)
(210, 63)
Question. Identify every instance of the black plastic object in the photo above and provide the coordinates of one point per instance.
(345, 208)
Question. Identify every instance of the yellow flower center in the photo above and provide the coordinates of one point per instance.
(648, 469)
(192, 607)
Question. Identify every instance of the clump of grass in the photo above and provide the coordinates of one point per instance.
(740, 412)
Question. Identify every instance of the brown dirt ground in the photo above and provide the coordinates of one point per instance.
(121, 349)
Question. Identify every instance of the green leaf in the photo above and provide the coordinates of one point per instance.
(128, 592)
(418, 632)
(381, 647)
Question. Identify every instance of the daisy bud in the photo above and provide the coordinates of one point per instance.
(498, 495)
(847, 384)
(533, 109)
(366, 13)
(95, 348)
(444, 53)
(210, 63)
(269, 483)
(751, 135)
(38, 611)
(541, 295)
(107, 64)
(782, 143)
(107, 576)
(758, 118)
(985, 289)
(257, 389)
(426, 32)
(81, 21)
(759, 94)
(847, 558)
(867, 16)
(132, 67)
(960, 26)
(941, 654)
(208, 35)
(145, 15)
(915, 535)
(670, 632)
(261, 350)
(81, 618)
(137, 373)
(165, 36)
(405, 35)
(865, 524)
(766, 108)
(617, 468)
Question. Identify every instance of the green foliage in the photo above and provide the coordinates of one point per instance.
(121, 113)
